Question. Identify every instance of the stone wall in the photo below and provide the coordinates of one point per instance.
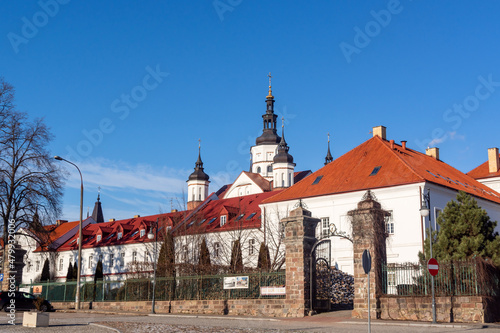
(246, 307)
(459, 309)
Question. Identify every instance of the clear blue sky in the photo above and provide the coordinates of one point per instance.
(338, 66)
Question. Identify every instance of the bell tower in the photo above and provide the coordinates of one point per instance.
(197, 183)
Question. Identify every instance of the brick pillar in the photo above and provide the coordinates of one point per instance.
(299, 240)
(368, 228)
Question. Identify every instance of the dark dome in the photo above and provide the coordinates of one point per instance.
(198, 174)
(268, 137)
(283, 157)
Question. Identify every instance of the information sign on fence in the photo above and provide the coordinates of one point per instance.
(37, 290)
(433, 266)
(272, 291)
(236, 282)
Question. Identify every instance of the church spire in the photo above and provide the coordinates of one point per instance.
(197, 183)
(283, 156)
(269, 135)
(97, 213)
(328, 157)
(198, 173)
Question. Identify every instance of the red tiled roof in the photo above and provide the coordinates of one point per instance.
(398, 166)
(483, 171)
(241, 215)
(53, 232)
(130, 227)
(260, 181)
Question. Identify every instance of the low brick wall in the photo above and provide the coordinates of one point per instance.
(246, 307)
(460, 309)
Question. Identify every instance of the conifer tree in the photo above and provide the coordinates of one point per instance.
(166, 257)
(45, 271)
(98, 276)
(465, 231)
(75, 270)
(236, 264)
(69, 274)
(264, 262)
(204, 263)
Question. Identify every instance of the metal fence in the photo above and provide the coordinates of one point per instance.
(457, 278)
(200, 287)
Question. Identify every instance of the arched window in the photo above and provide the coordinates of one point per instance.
(269, 169)
(258, 169)
(290, 179)
(282, 180)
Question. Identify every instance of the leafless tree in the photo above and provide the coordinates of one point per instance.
(30, 181)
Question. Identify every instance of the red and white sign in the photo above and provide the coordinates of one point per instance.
(433, 266)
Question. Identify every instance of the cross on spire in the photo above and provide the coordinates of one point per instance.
(199, 143)
(270, 95)
(282, 121)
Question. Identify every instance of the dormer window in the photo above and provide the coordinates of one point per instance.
(98, 239)
(143, 232)
(223, 219)
(119, 235)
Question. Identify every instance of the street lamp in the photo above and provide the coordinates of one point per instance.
(155, 236)
(424, 212)
(78, 276)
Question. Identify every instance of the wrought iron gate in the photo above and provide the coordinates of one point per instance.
(321, 282)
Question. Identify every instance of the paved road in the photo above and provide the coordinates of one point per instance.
(332, 322)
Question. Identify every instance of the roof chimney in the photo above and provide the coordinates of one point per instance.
(493, 160)
(392, 144)
(403, 144)
(112, 220)
(379, 131)
(136, 216)
(59, 222)
(432, 152)
(174, 210)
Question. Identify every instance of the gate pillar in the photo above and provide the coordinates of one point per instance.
(299, 239)
(368, 232)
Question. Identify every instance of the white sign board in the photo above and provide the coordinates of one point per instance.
(272, 291)
(236, 282)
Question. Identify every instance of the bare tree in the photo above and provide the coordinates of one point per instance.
(30, 182)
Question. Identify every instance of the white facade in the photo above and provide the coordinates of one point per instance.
(262, 159)
(283, 174)
(197, 190)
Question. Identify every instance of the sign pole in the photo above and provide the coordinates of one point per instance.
(367, 266)
(433, 268)
(369, 316)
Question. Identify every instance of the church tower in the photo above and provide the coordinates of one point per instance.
(283, 166)
(266, 144)
(197, 184)
(328, 157)
(97, 212)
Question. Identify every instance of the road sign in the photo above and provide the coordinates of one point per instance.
(1, 277)
(433, 266)
(367, 261)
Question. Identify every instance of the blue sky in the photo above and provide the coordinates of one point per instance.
(128, 88)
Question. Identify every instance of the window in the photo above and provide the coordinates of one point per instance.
(28, 266)
(201, 222)
(143, 232)
(135, 233)
(269, 168)
(239, 217)
(134, 256)
(223, 220)
(111, 260)
(316, 181)
(375, 170)
(212, 220)
(37, 265)
(122, 259)
(119, 236)
(437, 212)
(389, 223)
(250, 216)
(146, 256)
(216, 250)
(91, 261)
(61, 264)
(185, 253)
(323, 227)
(251, 246)
(98, 239)
(258, 169)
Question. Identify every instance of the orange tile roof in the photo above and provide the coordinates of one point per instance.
(483, 171)
(398, 166)
(53, 233)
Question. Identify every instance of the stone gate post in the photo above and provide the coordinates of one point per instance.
(299, 239)
(368, 232)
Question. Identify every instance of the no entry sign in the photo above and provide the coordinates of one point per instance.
(433, 266)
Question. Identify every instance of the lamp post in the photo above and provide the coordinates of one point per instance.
(155, 236)
(425, 211)
(78, 276)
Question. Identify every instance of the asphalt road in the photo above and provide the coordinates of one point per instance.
(331, 322)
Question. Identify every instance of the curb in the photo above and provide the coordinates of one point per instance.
(211, 317)
(411, 324)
